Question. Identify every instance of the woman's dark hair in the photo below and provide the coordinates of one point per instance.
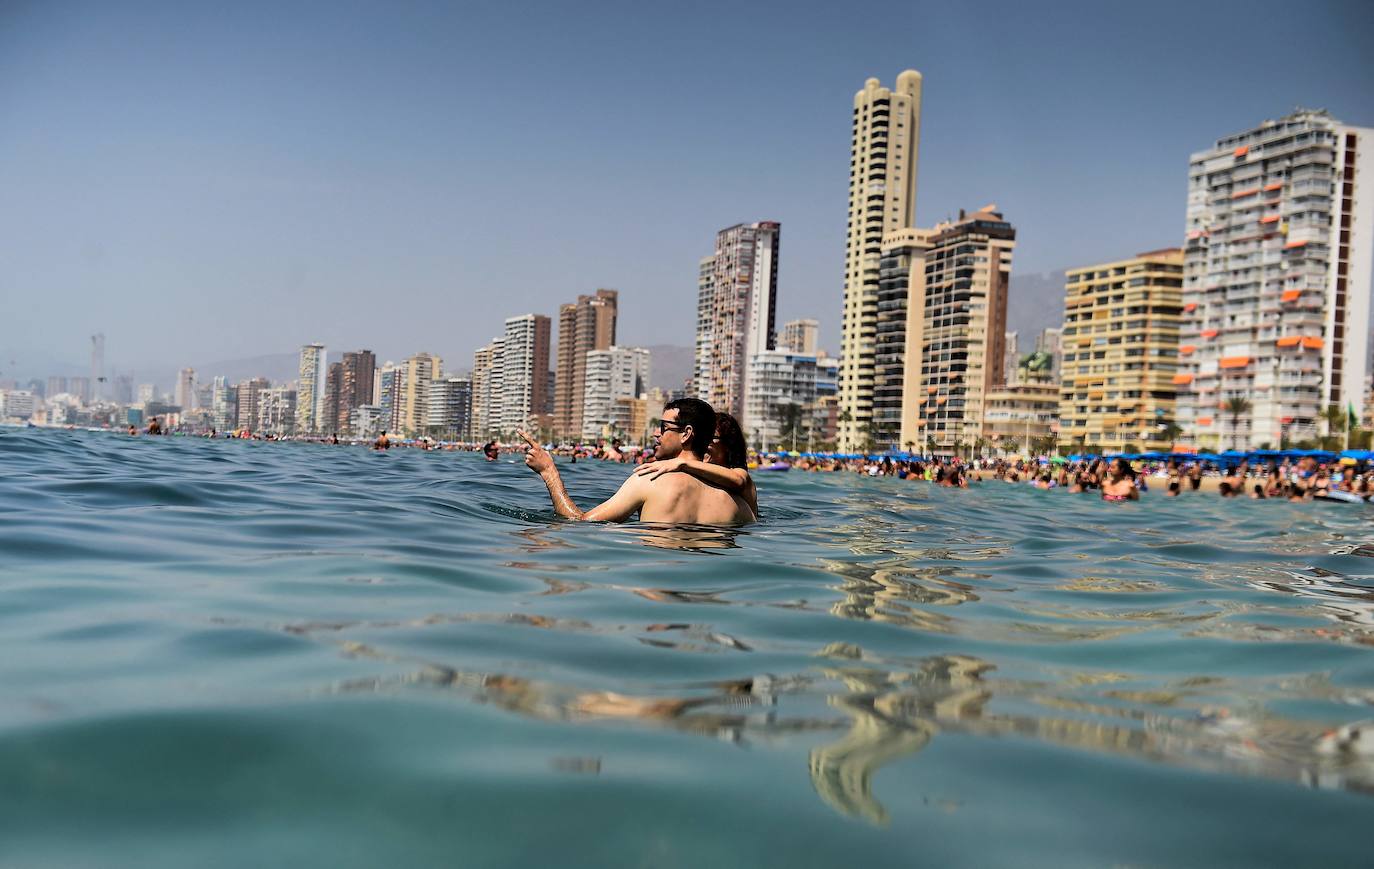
(732, 441)
(699, 415)
(1259, 491)
(1225, 489)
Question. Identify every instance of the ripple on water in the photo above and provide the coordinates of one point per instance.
(335, 656)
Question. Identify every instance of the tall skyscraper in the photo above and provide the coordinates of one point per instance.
(1277, 281)
(355, 386)
(389, 380)
(249, 398)
(800, 336)
(123, 389)
(955, 353)
(222, 409)
(895, 421)
(185, 395)
(737, 302)
(276, 410)
(310, 388)
(612, 374)
(587, 324)
(81, 388)
(882, 199)
(448, 407)
(525, 370)
(97, 367)
(488, 365)
(418, 372)
(1121, 322)
(56, 386)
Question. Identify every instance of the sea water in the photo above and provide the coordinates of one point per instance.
(233, 653)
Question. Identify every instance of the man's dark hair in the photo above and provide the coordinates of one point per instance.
(699, 415)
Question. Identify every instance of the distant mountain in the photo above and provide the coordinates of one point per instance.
(1035, 303)
(279, 368)
(670, 365)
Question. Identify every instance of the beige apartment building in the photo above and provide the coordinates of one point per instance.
(882, 199)
(418, 372)
(587, 324)
(1017, 415)
(957, 330)
(1120, 347)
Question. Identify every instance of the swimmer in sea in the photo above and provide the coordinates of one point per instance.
(1120, 482)
(491, 451)
(726, 465)
(685, 429)
(382, 442)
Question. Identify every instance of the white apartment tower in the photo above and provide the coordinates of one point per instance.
(737, 302)
(185, 395)
(882, 199)
(525, 371)
(612, 374)
(488, 364)
(310, 389)
(1277, 281)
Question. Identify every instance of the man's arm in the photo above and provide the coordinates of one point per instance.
(734, 480)
(621, 506)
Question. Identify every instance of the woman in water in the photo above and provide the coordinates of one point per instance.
(1120, 483)
(726, 465)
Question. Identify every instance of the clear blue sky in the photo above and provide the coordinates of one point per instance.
(240, 178)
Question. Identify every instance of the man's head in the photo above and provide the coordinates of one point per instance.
(688, 424)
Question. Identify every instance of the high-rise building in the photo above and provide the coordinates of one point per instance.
(222, 410)
(418, 372)
(97, 392)
(525, 369)
(587, 324)
(1016, 416)
(1011, 358)
(800, 336)
(390, 378)
(56, 386)
(737, 302)
(146, 392)
(248, 398)
(310, 388)
(882, 199)
(612, 374)
(959, 346)
(1120, 357)
(781, 393)
(333, 398)
(488, 364)
(1277, 281)
(81, 388)
(895, 421)
(277, 410)
(355, 386)
(448, 407)
(17, 404)
(185, 395)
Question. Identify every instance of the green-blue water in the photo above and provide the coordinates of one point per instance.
(247, 654)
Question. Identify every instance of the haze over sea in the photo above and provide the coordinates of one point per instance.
(229, 653)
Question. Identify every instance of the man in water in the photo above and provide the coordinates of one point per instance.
(492, 451)
(686, 428)
(382, 442)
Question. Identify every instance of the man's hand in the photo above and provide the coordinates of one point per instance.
(654, 470)
(537, 458)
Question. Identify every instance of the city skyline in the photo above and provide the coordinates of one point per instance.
(193, 215)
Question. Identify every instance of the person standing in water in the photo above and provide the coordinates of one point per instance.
(726, 464)
(671, 498)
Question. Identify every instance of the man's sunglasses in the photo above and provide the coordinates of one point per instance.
(663, 427)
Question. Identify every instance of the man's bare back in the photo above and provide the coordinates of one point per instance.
(682, 498)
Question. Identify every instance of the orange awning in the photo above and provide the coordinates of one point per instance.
(1289, 340)
(1293, 244)
(1239, 194)
(1187, 349)
(1234, 361)
(1190, 307)
(1291, 295)
(1313, 343)
(1273, 218)
(1204, 420)
(931, 389)
(1241, 151)
(1277, 185)
(1182, 379)
(942, 399)
(1209, 333)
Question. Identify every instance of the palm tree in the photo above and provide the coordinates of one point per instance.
(790, 422)
(1172, 432)
(1236, 407)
